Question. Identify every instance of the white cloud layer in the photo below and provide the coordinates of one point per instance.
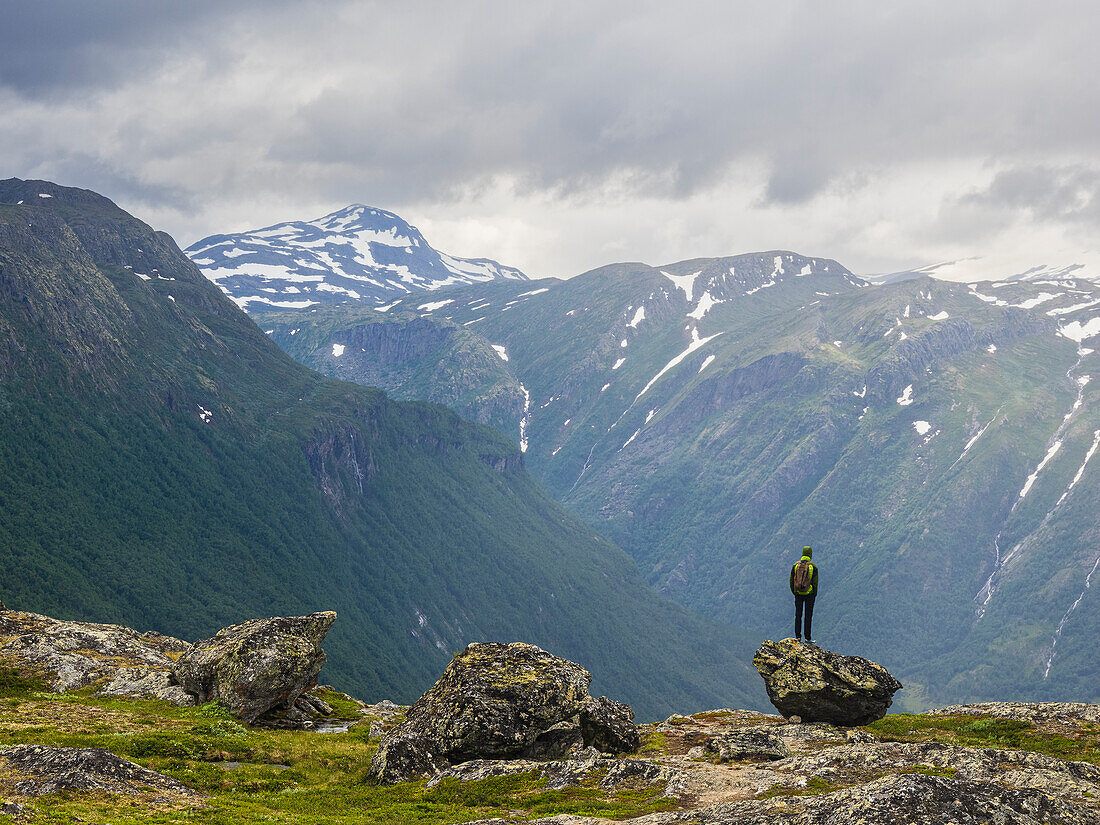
(561, 136)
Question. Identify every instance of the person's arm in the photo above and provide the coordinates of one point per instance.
(792, 580)
(813, 580)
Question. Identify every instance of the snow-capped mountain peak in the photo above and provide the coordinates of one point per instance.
(355, 254)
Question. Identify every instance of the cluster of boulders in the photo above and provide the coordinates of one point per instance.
(260, 669)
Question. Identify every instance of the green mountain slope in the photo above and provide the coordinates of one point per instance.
(712, 416)
(166, 466)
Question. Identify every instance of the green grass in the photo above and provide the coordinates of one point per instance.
(988, 732)
(254, 775)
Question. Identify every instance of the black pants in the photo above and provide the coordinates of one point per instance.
(804, 603)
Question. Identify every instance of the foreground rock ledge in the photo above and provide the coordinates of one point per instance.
(502, 701)
(821, 686)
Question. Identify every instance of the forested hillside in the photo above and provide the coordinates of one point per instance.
(166, 466)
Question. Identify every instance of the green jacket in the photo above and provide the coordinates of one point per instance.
(813, 575)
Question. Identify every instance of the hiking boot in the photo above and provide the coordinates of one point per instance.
(798, 639)
(810, 641)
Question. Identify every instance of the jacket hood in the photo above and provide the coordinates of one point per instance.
(807, 552)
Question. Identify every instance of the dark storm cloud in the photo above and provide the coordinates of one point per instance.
(1059, 193)
(66, 47)
(401, 103)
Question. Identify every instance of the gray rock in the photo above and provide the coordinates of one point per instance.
(257, 665)
(1036, 712)
(73, 655)
(746, 744)
(42, 770)
(609, 726)
(502, 701)
(821, 686)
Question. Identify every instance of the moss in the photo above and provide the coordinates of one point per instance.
(988, 732)
(815, 786)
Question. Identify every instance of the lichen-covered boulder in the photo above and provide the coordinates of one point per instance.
(820, 686)
(257, 665)
(746, 744)
(73, 655)
(609, 726)
(37, 770)
(502, 701)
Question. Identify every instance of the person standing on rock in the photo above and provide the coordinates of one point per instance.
(804, 588)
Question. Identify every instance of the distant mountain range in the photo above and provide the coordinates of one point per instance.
(357, 254)
(935, 442)
(166, 466)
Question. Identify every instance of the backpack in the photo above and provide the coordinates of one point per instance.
(803, 572)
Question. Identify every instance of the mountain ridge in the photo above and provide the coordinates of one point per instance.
(928, 432)
(355, 254)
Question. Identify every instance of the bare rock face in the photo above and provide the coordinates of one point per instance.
(41, 770)
(502, 701)
(258, 665)
(72, 655)
(820, 686)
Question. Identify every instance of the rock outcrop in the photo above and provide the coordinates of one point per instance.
(820, 686)
(834, 776)
(72, 655)
(258, 665)
(502, 701)
(38, 770)
(746, 744)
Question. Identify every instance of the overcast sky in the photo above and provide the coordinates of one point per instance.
(559, 136)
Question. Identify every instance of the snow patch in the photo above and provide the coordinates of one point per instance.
(639, 316)
(1076, 331)
(1073, 308)
(337, 350)
(939, 316)
(618, 363)
(707, 362)
(501, 351)
(205, 414)
(526, 420)
(686, 283)
(922, 427)
(992, 348)
(705, 303)
(906, 397)
(696, 343)
(1054, 448)
(432, 306)
(534, 292)
(1041, 298)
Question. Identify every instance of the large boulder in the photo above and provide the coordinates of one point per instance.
(258, 665)
(820, 686)
(72, 655)
(502, 701)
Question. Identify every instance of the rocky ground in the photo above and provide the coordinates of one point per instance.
(512, 735)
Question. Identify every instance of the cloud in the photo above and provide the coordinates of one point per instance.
(1065, 193)
(214, 116)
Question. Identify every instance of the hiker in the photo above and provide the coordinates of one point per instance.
(804, 587)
